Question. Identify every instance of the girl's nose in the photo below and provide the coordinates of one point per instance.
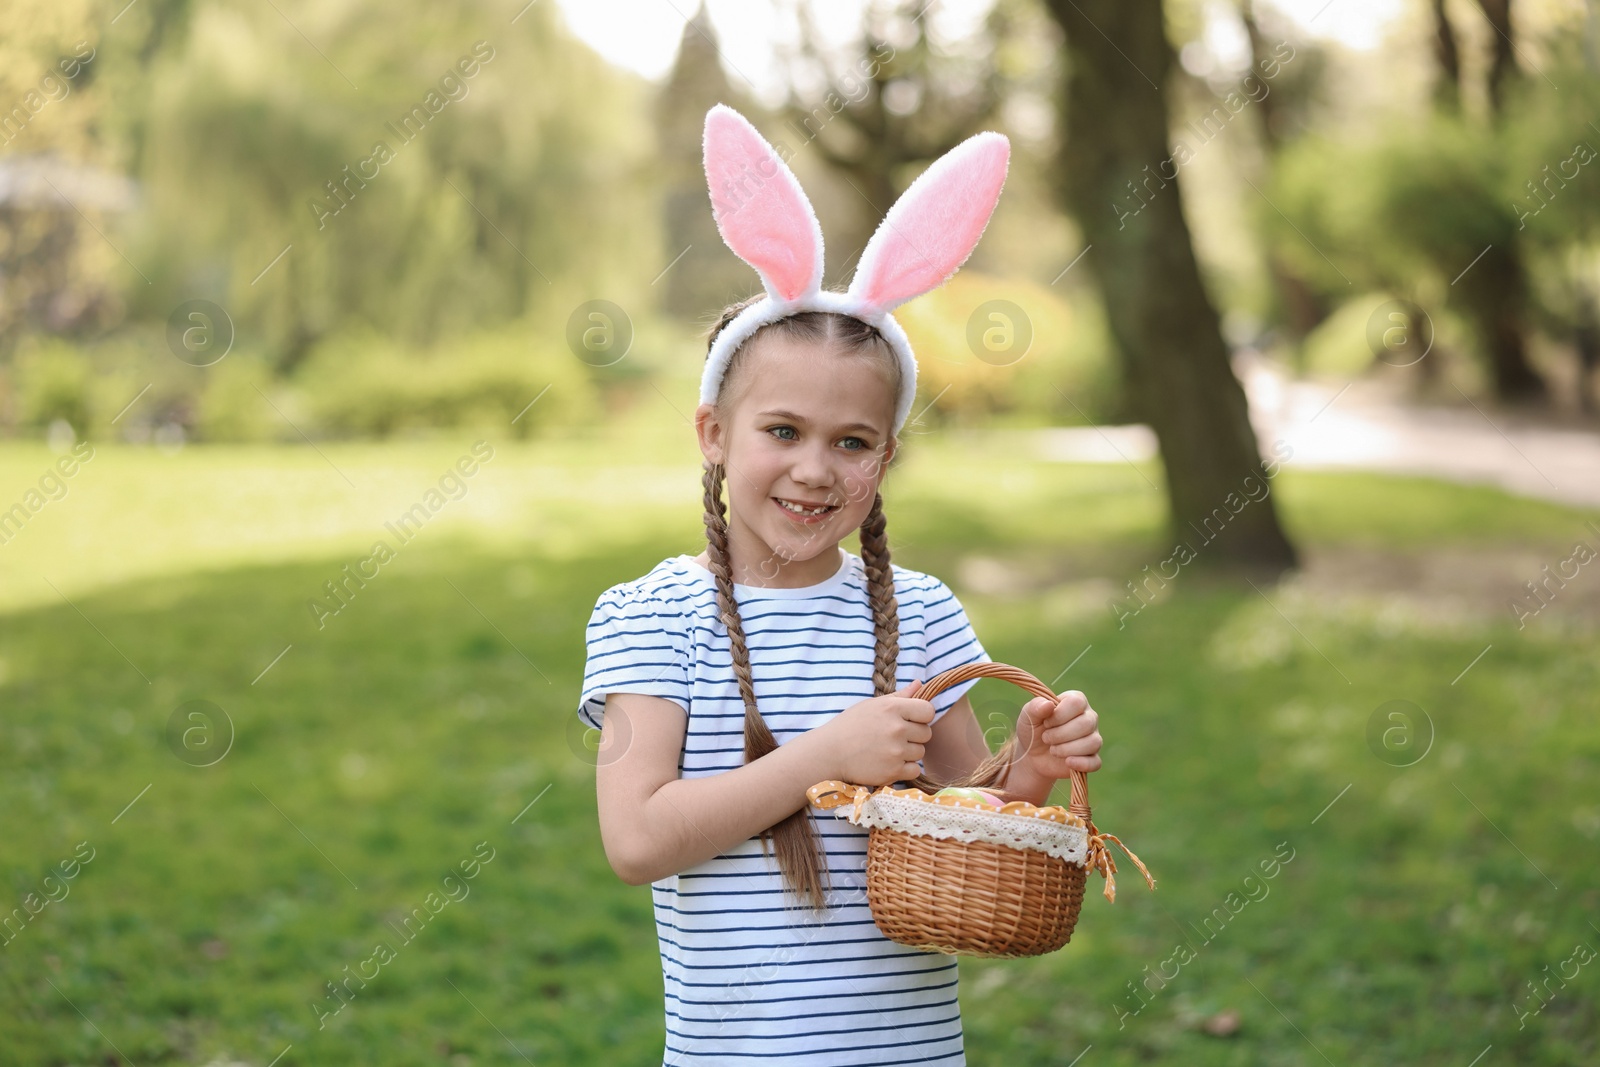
(812, 468)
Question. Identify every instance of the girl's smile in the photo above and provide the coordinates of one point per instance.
(806, 513)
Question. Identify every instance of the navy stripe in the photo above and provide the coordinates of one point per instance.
(853, 1031)
(811, 1054)
(832, 981)
(830, 1014)
(777, 1000)
(835, 980)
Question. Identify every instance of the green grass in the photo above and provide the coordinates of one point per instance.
(425, 716)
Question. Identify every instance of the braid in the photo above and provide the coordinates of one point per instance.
(727, 609)
(880, 594)
(794, 838)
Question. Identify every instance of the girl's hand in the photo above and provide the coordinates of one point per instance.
(878, 741)
(1059, 736)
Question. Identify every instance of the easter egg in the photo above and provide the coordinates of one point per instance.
(970, 794)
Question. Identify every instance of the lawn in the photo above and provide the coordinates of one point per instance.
(415, 753)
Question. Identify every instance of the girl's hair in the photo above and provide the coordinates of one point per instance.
(796, 842)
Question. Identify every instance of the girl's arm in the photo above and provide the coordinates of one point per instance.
(1056, 739)
(654, 824)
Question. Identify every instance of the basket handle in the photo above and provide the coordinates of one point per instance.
(1023, 680)
(1099, 856)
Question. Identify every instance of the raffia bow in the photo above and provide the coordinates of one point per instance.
(1099, 859)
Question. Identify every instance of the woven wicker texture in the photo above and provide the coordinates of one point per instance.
(968, 880)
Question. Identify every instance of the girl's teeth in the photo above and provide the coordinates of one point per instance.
(803, 511)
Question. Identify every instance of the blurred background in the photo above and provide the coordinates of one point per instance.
(348, 353)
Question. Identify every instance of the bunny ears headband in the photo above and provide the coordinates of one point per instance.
(765, 217)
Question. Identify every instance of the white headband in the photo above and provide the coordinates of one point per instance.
(766, 219)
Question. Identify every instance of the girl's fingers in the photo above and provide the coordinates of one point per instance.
(1037, 706)
(1085, 746)
(1071, 703)
(1055, 712)
(1078, 726)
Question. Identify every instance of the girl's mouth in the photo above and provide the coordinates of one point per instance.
(801, 512)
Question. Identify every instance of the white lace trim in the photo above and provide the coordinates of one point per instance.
(1070, 843)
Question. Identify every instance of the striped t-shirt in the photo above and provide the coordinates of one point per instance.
(746, 979)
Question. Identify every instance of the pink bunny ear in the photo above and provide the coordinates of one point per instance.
(761, 211)
(933, 227)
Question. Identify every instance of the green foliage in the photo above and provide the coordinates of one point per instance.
(481, 172)
(1065, 376)
(1340, 348)
(1409, 208)
(50, 379)
(359, 383)
(231, 405)
(1552, 151)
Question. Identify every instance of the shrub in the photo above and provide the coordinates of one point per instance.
(231, 406)
(1068, 366)
(51, 379)
(359, 383)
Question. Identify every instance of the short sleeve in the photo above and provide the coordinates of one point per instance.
(637, 643)
(951, 642)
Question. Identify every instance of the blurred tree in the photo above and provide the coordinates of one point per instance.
(1447, 84)
(1279, 114)
(57, 270)
(484, 170)
(1166, 329)
(57, 273)
(705, 276)
(1547, 138)
(900, 101)
(1502, 62)
(1429, 208)
(1497, 296)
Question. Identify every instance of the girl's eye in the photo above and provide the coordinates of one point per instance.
(852, 444)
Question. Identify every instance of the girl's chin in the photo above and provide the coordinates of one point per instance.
(802, 545)
(799, 549)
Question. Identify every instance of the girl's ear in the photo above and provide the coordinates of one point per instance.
(710, 434)
(889, 449)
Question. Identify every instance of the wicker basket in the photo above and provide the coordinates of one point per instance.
(959, 877)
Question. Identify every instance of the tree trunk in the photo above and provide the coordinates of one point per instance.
(1498, 298)
(1501, 301)
(1447, 87)
(1504, 65)
(1165, 328)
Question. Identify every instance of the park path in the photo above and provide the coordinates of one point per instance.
(1363, 425)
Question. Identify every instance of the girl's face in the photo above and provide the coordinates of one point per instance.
(810, 428)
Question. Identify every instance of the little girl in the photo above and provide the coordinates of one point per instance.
(803, 396)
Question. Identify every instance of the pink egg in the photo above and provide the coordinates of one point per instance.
(991, 798)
